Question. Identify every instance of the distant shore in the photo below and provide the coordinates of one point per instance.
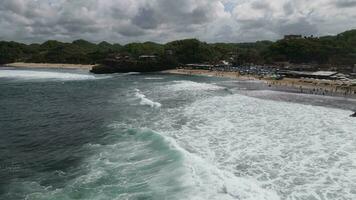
(50, 65)
(308, 86)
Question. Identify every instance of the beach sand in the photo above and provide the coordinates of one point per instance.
(308, 86)
(49, 65)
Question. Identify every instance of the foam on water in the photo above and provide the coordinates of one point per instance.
(33, 75)
(206, 181)
(131, 73)
(206, 144)
(154, 78)
(195, 177)
(145, 101)
(253, 147)
(192, 86)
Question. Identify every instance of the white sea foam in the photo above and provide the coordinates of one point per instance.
(132, 73)
(154, 78)
(202, 179)
(192, 86)
(32, 75)
(206, 181)
(232, 147)
(145, 101)
(258, 149)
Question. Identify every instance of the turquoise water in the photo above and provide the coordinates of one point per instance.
(67, 134)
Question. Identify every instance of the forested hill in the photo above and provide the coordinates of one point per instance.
(338, 50)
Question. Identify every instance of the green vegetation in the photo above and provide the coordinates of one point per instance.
(339, 49)
(193, 51)
(334, 50)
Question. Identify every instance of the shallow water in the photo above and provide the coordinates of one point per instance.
(66, 134)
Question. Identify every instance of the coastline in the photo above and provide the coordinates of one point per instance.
(49, 65)
(306, 86)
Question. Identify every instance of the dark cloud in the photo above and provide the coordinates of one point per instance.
(147, 19)
(288, 8)
(163, 20)
(301, 26)
(129, 30)
(345, 3)
(260, 5)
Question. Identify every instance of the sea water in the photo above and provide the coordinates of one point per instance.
(67, 134)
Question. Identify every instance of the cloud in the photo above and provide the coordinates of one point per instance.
(164, 20)
(146, 19)
(279, 17)
(129, 30)
(345, 3)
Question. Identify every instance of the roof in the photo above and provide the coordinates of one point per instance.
(199, 65)
(324, 73)
(318, 73)
(148, 56)
(225, 62)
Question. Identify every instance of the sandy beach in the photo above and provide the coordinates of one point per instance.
(309, 86)
(49, 65)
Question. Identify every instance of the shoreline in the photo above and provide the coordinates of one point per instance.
(49, 65)
(305, 86)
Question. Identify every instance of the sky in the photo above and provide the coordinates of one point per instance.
(125, 21)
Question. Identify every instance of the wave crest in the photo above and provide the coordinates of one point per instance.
(145, 101)
(40, 75)
(193, 86)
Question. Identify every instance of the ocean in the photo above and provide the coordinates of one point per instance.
(68, 134)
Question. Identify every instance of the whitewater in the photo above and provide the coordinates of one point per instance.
(160, 136)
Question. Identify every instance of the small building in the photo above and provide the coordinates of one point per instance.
(148, 58)
(306, 74)
(340, 76)
(324, 74)
(118, 57)
(222, 63)
(169, 52)
(301, 67)
(199, 66)
(292, 37)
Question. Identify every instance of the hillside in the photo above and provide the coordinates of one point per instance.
(333, 50)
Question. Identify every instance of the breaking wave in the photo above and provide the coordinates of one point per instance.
(259, 149)
(154, 78)
(48, 75)
(145, 101)
(192, 86)
(206, 181)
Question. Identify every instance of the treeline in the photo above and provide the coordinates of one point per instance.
(339, 49)
(334, 50)
(77, 52)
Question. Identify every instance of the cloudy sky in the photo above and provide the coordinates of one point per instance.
(126, 21)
